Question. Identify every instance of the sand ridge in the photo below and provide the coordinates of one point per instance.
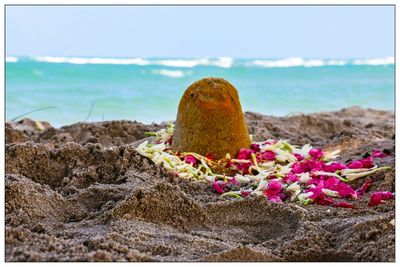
(82, 193)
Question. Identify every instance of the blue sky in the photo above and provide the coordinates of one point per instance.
(242, 32)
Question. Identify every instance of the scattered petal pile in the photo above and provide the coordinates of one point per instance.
(276, 169)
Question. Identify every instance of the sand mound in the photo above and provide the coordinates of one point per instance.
(210, 107)
(71, 197)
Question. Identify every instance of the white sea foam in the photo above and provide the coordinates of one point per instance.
(96, 60)
(300, 62)
(374, 61)
(11, 59)
(182, 63)
(172, 73)
(223, 62)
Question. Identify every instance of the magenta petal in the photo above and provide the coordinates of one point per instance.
(367, 162)
(255, 147)
(317, 191)
(332, 183)
(243, 167)
(314, 165)
(190, 159)
(234, 182)
(377, 197)
(274, 188)
(334, 167)
(362, 163)
(378, 154)
(244, 153)
(275, 199)
(245, 193)
(316, 153)
(346, 190)
(364, 187)
(323, 200)
(291, 178)
(357, 164)
(298, 156)
(387, 195)
(297, 168)
(268, 155)
(217, 188)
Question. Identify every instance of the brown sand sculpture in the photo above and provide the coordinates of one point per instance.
(210, 120)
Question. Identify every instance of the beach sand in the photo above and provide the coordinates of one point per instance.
(82, 193)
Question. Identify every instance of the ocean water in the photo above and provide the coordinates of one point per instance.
(66, 90)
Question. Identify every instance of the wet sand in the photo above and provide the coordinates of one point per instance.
(82, 193)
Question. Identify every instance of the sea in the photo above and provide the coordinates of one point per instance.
(66, 90)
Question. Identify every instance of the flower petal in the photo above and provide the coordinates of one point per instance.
(377, 197)
(378, 154)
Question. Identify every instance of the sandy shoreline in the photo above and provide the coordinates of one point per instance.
(82, 193)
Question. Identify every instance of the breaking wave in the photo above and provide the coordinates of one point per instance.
(11, 59)
(221, 62)
(172, 73)
(300, 62)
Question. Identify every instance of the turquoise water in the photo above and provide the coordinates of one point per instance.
(149, 90)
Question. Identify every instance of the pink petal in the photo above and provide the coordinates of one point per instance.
(364, 187)
(379, 154)
(314, 165)
(346, 190)
(362, 163)
(297, 168)
(244, 167)
(317, 191)
(218, 188)
(357, 164)
(267, 155)
(255, 147)
(377, 197)
(334, 167)
(190, 159)
(275, 199)
(323, 200)
(332, 183)
(298, 156)
(244, 153)
(274, 188)
(316, 153)
(291, 178)
(367, 162)
(234, 182)
(245, 193)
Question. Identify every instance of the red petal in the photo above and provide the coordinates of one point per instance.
(364, 187)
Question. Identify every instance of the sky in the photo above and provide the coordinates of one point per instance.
(235, 31)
